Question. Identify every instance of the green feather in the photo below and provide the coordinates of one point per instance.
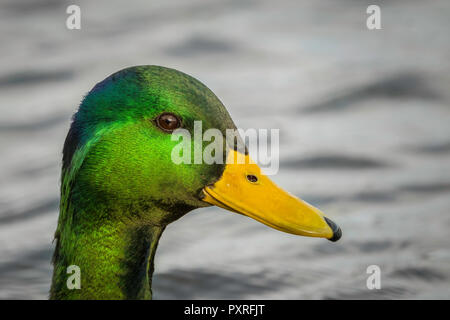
(119, 187)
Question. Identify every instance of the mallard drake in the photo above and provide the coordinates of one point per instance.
(120, 187)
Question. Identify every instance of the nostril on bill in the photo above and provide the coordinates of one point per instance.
(337, 233)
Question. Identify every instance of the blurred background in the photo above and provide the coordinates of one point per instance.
(364, 135)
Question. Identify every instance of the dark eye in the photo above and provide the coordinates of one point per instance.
(168, 122)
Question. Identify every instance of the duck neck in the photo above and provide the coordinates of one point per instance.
(113, 253)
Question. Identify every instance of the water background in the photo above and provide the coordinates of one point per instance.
(364, 135)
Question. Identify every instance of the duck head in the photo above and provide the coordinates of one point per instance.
(119, 152)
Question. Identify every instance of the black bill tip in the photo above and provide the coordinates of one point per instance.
(337, 233)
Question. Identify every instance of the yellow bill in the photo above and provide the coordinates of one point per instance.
(245, 190)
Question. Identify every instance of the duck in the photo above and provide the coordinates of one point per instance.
(120, 187)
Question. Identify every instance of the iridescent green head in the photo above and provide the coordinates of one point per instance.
(119, 153)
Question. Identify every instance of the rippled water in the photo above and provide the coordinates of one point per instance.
(364, 135)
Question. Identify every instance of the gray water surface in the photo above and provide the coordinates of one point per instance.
(364, 135)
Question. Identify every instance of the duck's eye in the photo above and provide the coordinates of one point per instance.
(168, 122)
